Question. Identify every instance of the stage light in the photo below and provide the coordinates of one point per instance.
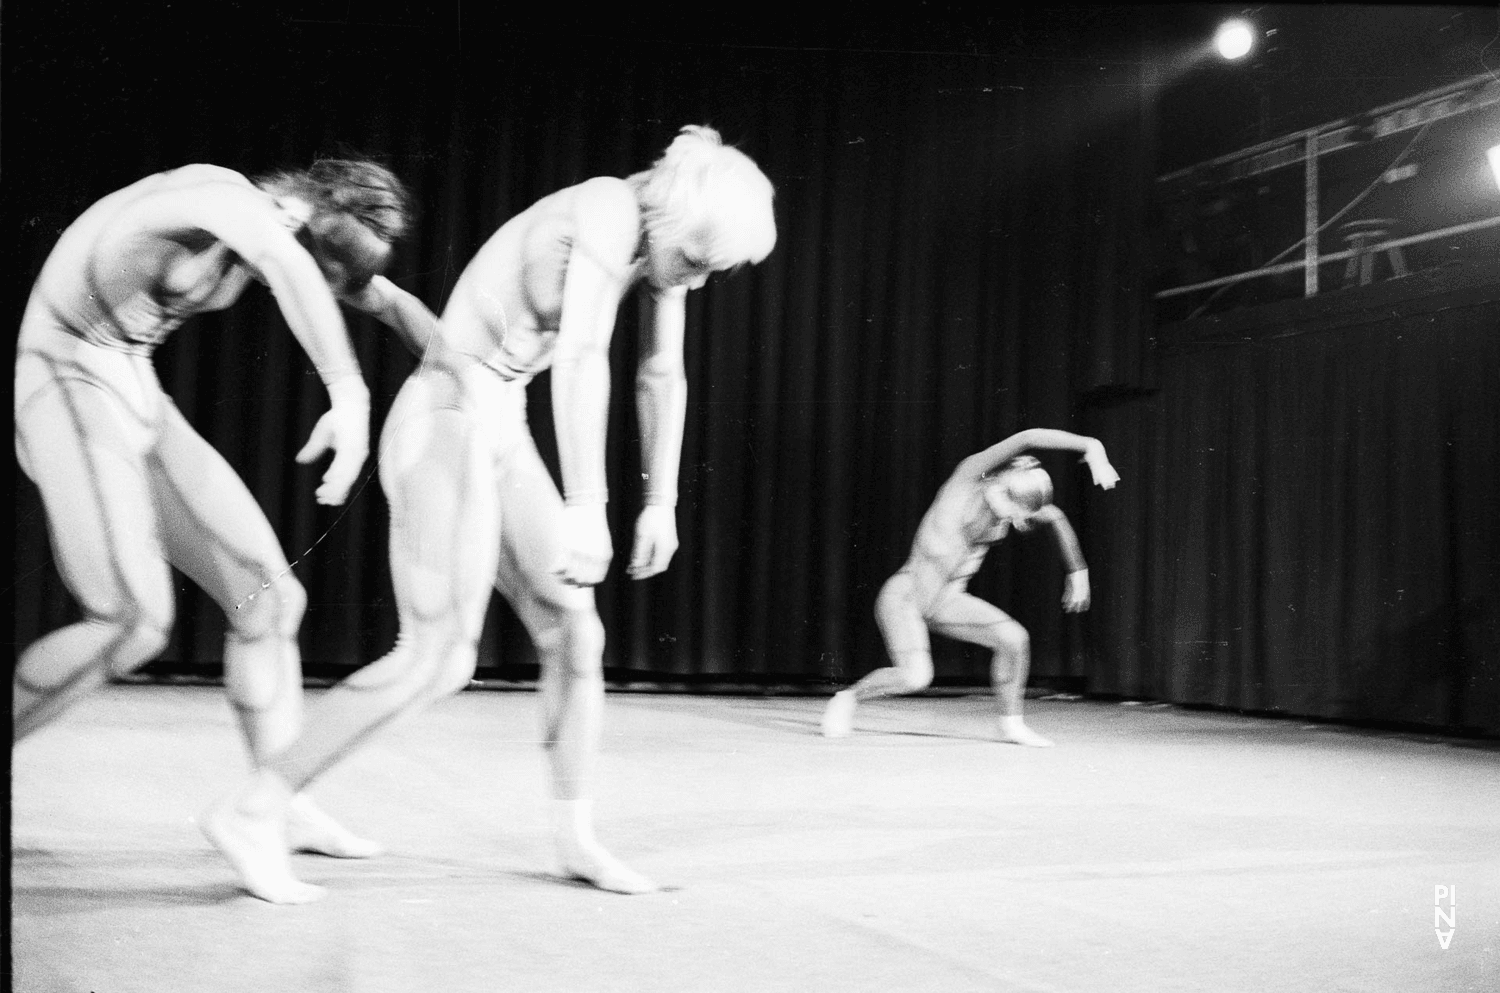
(1494, 154)
(1234, 38)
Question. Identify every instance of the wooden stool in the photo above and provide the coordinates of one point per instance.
(1362, 237)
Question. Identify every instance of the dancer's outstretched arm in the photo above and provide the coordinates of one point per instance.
(415, 325)
(981, 464)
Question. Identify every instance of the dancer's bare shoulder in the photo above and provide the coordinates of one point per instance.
(606, 216)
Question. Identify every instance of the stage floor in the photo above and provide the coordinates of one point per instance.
(1154, 849)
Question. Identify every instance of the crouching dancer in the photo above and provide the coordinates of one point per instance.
(989, 494)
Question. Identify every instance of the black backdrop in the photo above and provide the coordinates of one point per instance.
(961, 205)
(1345, 562)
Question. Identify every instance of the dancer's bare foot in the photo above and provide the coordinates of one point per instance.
(838, 716)
(592, 864)
(1015, 731)
(584, 858)
(308, 829)
(249, 828)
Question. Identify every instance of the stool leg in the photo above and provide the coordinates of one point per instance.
(1398, 261)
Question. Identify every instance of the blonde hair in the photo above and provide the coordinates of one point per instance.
(700, 183)
(1027, 482)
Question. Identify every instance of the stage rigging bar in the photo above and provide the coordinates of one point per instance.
(1309, 145)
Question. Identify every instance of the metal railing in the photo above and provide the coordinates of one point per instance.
(1306, 147)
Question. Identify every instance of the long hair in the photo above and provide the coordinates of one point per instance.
(364, 190)
(700, 183)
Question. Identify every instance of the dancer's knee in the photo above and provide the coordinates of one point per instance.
(1012, 639)
(274, 610)
(143, 629)
(585, 643)
(574, 643)
(429, 661)
(262, 643)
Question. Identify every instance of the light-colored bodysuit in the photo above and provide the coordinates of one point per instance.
(473, 506)
(976, 508)
(930, 592)
(129, 488)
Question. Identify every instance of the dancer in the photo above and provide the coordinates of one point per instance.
(989, 494)
(472, 504)
(129, 488)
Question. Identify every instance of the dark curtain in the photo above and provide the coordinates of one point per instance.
(1311, 524)
(956, 261)
(1307, 518)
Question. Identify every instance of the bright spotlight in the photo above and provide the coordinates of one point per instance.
(1494, 154)
(1234, 38)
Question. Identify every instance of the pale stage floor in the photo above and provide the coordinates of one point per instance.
(1154, 849)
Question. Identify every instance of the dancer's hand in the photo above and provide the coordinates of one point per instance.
(344, 430)
(1076, 597)
(586, 546)
(1104, 473)
(655, 541)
